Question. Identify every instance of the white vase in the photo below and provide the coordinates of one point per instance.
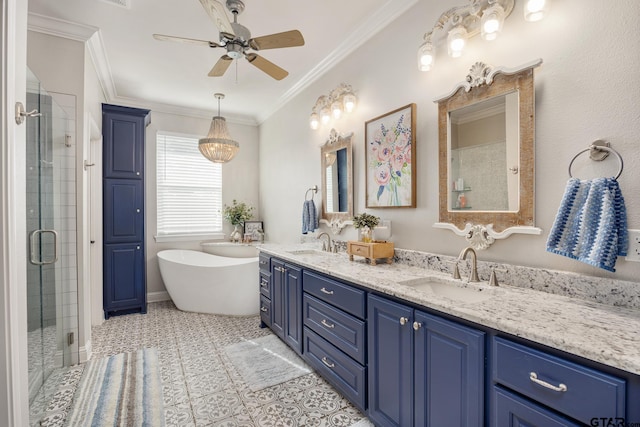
(236, 234)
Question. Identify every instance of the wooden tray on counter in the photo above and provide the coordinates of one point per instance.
(371, 251)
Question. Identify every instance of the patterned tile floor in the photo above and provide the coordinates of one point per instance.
(201, 386)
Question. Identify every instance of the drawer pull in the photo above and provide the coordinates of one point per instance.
(325, 291)
(403, 321)
(264, 283)
(327, 324)
(560, 388)
(263, 262)
(327, 363)
(263, 309)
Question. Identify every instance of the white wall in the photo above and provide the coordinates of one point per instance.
(586, 89)
(239, 181)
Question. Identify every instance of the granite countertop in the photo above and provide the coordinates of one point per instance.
(602, 333)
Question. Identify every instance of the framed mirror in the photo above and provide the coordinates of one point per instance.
(486, 154)
(337, 180)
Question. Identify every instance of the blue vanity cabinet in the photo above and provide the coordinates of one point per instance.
(423, 370)
(544, 380)
(286, 303)
(124, 260)
(264, 263)
(334, 318)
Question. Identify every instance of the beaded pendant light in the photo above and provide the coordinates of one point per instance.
(218, 146)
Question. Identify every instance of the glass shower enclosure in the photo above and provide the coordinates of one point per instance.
(52, 302)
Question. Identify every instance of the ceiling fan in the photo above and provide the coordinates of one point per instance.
(236, 39)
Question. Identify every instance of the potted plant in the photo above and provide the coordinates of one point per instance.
(365, 223)
(237, 214)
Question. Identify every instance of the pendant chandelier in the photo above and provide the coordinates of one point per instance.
(218, 146)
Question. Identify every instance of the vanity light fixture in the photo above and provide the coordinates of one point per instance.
(341, 100)
(218, 146)
(458, 24)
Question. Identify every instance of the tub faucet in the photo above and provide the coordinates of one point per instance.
(325, 246)
(473, 274)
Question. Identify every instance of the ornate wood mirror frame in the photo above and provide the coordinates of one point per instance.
(483, 82)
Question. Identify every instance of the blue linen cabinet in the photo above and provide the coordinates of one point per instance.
(123, 145)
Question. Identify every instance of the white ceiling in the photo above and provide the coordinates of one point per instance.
(163, 75)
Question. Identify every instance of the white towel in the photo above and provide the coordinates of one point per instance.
(591, 224)
(309, 217)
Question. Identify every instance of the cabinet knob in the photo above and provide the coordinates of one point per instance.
(403, 321)
(263, 309)
(416, 325)
(138, 173)
(137, 210)
(138, 247)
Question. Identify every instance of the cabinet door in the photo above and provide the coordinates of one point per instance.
(123, 210)
(449, 373)
(277, 297)
(123, 145)
(390, 363)
(293, 307)
(124, 277)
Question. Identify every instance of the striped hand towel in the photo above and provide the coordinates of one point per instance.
(591, 224)
(309, 217)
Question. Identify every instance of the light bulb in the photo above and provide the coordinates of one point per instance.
(349, 101)
(534, 10)
(456, 41)
(314, 121)
(426, 56)
(336, 109)
(325, 115)
(491, 23)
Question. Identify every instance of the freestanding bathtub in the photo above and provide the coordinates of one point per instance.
(206, 283)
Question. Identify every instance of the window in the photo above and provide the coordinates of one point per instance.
(189, 188)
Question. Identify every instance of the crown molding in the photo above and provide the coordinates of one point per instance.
(100, 61)
(159, 107)
(59, 27)
(374, 24)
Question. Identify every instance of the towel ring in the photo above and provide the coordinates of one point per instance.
(599, 148)
(314, 189)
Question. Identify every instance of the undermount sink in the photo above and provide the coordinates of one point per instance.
(308, 252)
(453, 290)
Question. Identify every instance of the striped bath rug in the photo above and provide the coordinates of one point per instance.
(121, 390)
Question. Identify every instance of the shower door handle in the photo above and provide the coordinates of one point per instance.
(34, 259)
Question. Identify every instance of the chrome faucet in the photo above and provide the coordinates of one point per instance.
(325, 246)
(473, 273)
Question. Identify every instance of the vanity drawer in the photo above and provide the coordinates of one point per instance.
(340, 329)
(346, 375)
(265, 284)
(264, 262)
(338, 294)
(510, 410)
(265, 310)
(542, 377)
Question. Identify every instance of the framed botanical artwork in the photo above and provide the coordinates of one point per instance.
(390, 149)
(250, 228)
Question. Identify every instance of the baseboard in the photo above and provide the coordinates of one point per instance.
(158, 296)
(85, 352)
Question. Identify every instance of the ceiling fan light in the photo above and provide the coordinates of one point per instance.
(314, 121)
(491, 22)
(349, 102)
(426, 56)
(456, 40)
(336, 109)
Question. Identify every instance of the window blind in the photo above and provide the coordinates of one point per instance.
(189, 188)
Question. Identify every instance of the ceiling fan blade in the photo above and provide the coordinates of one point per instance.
(165, 38)
(267, 66)
(287, 39)
(216, 12)
(221, 66)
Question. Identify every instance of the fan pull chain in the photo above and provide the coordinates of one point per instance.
(237, 71)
